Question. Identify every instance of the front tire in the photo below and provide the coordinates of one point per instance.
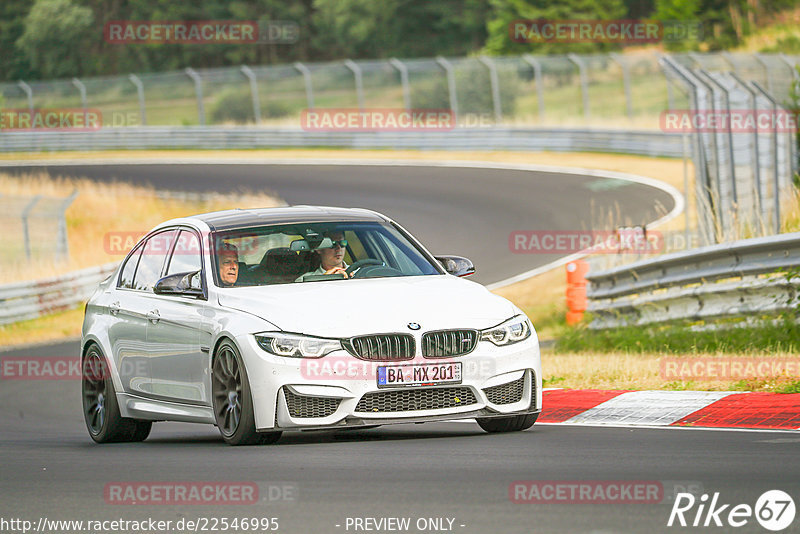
(100, 409)
(232, 402)
(513, 423)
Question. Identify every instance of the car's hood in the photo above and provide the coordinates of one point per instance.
(353, 307)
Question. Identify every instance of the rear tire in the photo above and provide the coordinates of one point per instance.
(232, 402)
(514, 423)
(100, 409)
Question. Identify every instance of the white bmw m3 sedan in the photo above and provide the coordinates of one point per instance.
(300, 318)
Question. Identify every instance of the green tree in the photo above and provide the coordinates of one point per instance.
(680, 10)
(506, 12)
(53, 37)
(13, 66)
(402, 28)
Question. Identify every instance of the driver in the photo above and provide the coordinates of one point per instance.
(228, 262)
(331, 258)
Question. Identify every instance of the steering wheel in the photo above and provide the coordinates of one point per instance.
(355, 266)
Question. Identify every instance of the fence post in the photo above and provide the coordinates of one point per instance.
(719, 202)
(776, 174)
(584, 83)
(62, 247)
(251, 77)
(716, 187)
(756, 153)
(685, 146)
(727, 103)
(697, 58)
(403, 70)
(670, 96)
(29, 93)
(792, 66)
(703, 184)
(198, 89)
(356, 70)
(495, 85)
(537, 72)
(451, 84)
(728, 57)
(140, 93)
(767, 75)
(302, 69)
(82, 89)
(626, 82)
(25, 233)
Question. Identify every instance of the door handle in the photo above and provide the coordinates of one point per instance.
(114, 308)
(153, 316)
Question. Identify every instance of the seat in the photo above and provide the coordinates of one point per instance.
(282, 266)
(247, 276)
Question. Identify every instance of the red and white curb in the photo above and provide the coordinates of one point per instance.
(712, 409)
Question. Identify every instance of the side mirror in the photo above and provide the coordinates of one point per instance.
(456, 265)
(180, 284)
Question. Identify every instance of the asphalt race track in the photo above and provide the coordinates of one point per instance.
(320, 482)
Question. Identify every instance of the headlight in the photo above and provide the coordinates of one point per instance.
(296, 346)
(512, 331)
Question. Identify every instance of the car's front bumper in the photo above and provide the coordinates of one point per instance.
(340, 391)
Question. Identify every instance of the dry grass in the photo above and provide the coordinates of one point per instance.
(617, 370)
(54, 327)
(790, 208)
(101, 210)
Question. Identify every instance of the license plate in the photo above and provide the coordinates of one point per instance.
(426, 374)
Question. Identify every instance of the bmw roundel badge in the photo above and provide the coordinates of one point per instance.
(414, 326)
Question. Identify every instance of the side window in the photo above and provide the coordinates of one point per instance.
(126, 280)
(153, 255)
(186, 256)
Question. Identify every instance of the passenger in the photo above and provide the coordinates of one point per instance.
(228, 262)
(331, 258)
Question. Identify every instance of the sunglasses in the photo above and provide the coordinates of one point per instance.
(342, 243)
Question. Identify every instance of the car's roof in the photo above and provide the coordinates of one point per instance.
(248, 218)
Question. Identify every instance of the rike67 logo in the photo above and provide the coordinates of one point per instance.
(774, 510)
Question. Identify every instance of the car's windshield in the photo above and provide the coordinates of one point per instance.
(314, 252)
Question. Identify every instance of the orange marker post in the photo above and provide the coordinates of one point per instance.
(576, 290)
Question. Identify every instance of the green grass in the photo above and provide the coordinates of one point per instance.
(782, 334)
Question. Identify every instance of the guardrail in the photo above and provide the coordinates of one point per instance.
(648, 143)
(29, 300)
(742, 278)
